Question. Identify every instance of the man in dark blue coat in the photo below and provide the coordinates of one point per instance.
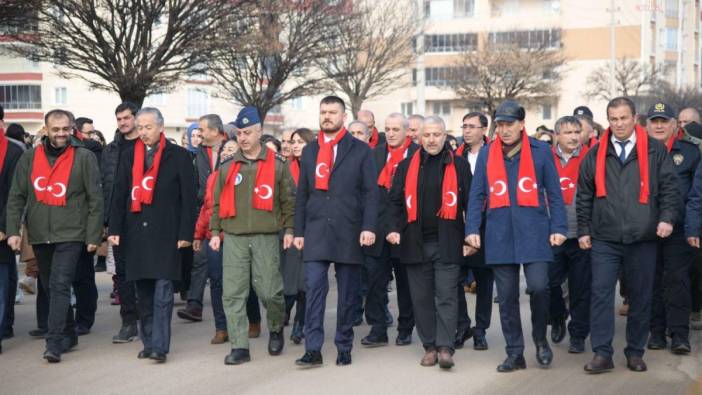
(335, 216)
(512, 177)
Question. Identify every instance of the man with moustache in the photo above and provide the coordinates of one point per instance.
(381, 258)
(359, 130)
(126, 136)
(570, 262)
(427, 201)
(58, 185)
(286, 144)
(627, 198)
(513, 176)
(152, 217)
(415, 123)
(374, 138)
(335, 217)
(671, 304)
(474, 126)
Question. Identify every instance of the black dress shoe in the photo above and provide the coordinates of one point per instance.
(276, 341)
(237, 356)
(577, 345)
(374, 341)
(297, 332)
(461, 337)
(310, 359)
(403, 339)
(159, 357)
(39, 333)
(599, 364)
(636, 364)
(558, 330)
(480, 342)
(657, 341)
(512, 363)
(343, 358)
(144, 354)
(544, 355)
(52, 356)
(680, 346)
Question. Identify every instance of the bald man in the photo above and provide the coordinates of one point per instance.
(368, 118)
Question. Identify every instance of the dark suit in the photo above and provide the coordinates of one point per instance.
(331, 222)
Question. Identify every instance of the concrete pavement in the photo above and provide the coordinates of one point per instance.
(196, 367)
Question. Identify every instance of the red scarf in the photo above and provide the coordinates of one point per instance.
(642, 157)
(208, 153)
(262, 198)
(3, 149)
(51, 183)
(449, 190)
(374, 138)
(143, 183)
(527, 190)
(669, 143)
(568, 175)
(593, 141)
(396, 156)
(295, 169)
(325, 160)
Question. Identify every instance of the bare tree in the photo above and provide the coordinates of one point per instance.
(272, 63)
(631, 79)
(132, 47)
(679, 98)
(493, 73)
(371, 55)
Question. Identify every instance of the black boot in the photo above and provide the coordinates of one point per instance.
(289, 302)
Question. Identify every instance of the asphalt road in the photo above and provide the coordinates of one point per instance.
(196, 367)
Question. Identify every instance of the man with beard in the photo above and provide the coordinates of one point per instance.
(335, 217)
(151, 218)
(58, 183)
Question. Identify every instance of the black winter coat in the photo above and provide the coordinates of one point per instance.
(7, 256)
(451, 232)
(109, 165)
(149, 239)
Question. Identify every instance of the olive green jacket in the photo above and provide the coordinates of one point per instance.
(249, 220)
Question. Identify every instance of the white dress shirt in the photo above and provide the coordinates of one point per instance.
(627, 148)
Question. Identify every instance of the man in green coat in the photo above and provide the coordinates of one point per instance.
(58, 183)
(254, 199)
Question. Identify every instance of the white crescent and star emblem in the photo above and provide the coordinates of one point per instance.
(566, 183)
(134, 189)
(453, 201)
(61, 187)
(493, 188)
(145, 183)
(523, 187)
(36, 184)
(238, 180)
(268, 194)
(408, 201)
(318, 170)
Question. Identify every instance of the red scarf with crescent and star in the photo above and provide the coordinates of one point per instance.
(449, 190)
(641, 156)
(143, 183)
(51, 182)
(527, 194)
(568, 174)
(396, 156)
(325, 160)
(262, 198)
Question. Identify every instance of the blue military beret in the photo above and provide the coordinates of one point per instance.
(248, 116)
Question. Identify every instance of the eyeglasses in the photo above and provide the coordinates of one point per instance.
(472, 127)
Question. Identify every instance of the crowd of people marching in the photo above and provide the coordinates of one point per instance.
(578, 209)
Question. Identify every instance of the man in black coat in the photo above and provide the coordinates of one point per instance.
(381, 258)
(126, 136)
(152, 217)
(336, 210)
(627, 198)
(427, 201)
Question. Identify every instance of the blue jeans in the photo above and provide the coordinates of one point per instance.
(214, 271)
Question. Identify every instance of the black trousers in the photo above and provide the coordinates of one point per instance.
(379, 271)
(85, 290)
(8, 320)
(126, 290)
(573, 264)
(42, 305)
(484, 280)
(57, 267)
(671, 304)
(638, 263)
(433, 290)
(507, 282)
(696, 278)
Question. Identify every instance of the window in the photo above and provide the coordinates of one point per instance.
(20, 97)
(441, 108)
(439, 76)
(407, 109)
(60, 96)
(671, 8)
(463, 8)
(198, 72)
(441, 9)
(451, 42)
(527, 38)
(197, 102)
(671, 39)
(546, 111)
(155, 99)
(296, 103)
